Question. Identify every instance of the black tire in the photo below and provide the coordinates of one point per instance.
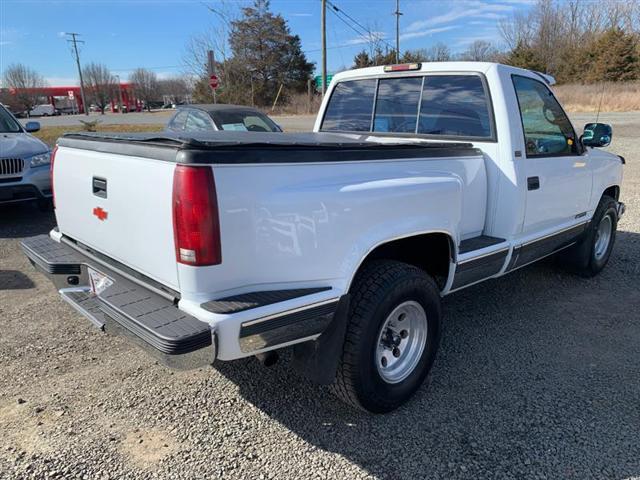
(583, 258)
(380, 287)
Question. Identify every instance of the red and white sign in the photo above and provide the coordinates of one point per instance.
(70, 94)
(214, 81)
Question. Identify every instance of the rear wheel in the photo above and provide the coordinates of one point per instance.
(392, 336)
(589, 256)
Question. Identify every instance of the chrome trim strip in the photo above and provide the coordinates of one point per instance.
(552, 234)
(287, 312)
(467, 260)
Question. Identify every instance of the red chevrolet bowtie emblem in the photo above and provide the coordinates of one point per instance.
(100, 213)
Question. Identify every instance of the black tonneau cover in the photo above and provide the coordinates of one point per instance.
(257, 147)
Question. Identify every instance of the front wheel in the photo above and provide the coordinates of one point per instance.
(589, 256)
(392, 336)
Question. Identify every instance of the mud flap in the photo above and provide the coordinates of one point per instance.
(318, 359)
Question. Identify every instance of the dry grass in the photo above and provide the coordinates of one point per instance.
(297, 104)
(617, 97)
(49, 135)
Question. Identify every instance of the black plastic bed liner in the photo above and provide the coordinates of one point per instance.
(258, 147)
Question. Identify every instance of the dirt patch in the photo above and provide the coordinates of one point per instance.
(147, 448)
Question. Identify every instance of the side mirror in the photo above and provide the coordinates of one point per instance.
(32, 127)
(597, 135)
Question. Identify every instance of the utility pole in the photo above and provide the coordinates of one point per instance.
(397, 13)
(75, 42)
(323, 27)
(211, 69)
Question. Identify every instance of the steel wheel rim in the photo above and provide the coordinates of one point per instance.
(401, 341)
(603, 237)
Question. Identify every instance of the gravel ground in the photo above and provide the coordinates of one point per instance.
(538, 376)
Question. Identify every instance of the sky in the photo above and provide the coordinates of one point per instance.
(126, 34)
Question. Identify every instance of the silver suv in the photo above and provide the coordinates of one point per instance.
(24, 163)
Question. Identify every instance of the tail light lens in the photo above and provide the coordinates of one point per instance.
(196, 227)
(53, 159)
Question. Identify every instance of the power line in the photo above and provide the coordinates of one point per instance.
(367, 33)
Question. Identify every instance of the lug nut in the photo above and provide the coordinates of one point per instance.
(404, 334)
(383, 361)
(396, 352)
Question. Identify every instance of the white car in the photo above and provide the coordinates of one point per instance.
(45, 110)
(419, 180)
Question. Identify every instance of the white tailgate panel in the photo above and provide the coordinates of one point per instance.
(138, 230)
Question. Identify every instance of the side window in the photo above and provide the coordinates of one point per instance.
(256, 124)
(547, 130)
(397, 105)
(454, 105)
(178, 121)
(350, 106)
(198, 121)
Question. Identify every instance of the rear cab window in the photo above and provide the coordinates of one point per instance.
(448, 106)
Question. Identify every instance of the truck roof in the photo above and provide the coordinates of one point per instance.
(482, 67)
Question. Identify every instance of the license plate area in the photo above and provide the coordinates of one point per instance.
(98, 281)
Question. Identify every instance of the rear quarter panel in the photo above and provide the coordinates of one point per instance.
(295, 225)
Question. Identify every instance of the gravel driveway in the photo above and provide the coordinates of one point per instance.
(538, 376)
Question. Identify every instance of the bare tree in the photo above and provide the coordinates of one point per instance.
(146, 86)
(480, 51)
(439, 52)
(176, 88)
(195, 55)
(101, 84)
(516, 30)
(25, 86)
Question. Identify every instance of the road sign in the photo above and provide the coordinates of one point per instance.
(70, 94)
(318, 80)
(214, 81)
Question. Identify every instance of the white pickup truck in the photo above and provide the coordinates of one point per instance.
(418, 180)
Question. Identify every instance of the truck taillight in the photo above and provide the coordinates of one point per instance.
(53, 158)
(196, 227)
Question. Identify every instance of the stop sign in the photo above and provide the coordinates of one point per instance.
(214, 81)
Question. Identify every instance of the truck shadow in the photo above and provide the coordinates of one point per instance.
(14, 280)
(537, 376)
(24, 220)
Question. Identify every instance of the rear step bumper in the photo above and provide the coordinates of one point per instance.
(175, 338)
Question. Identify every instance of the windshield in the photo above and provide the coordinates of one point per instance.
(7, 122)
(244, 121)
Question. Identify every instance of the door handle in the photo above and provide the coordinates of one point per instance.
(533, 183)
(100, 187)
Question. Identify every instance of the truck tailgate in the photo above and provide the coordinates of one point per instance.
(120, 206)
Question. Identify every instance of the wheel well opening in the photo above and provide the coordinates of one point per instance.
(613, 192)
(431, 252)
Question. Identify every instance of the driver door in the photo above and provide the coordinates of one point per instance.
(557, 174)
